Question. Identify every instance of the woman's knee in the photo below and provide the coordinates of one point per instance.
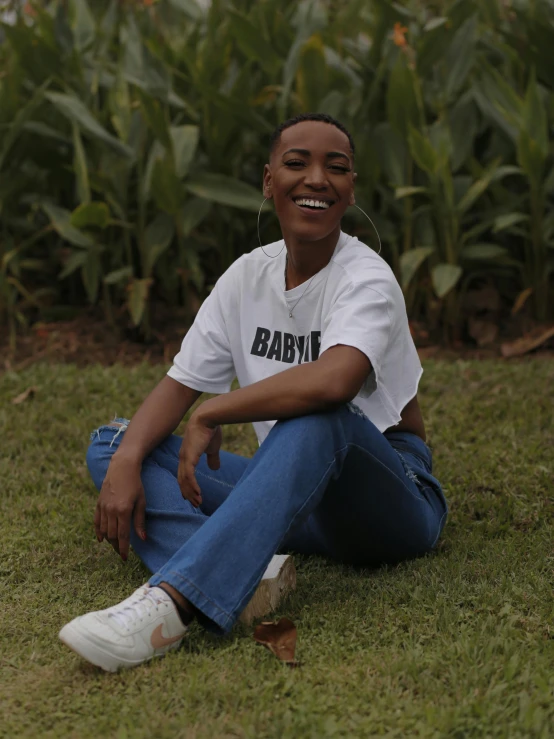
(311, 421)
(104, 442)
(321, 424)
(97, 463)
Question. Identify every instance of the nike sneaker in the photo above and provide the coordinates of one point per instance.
(143, 626)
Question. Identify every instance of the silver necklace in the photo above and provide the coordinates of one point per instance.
(300, 298)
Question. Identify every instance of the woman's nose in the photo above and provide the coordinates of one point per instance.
(316, 177)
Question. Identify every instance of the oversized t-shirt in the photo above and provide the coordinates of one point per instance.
(243, 329)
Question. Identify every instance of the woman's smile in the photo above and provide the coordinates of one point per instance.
(311, 205)
(311, 180)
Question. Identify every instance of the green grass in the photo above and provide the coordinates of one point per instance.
(457, 644)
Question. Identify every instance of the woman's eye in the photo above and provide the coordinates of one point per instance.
(338, 168)
(295, 163)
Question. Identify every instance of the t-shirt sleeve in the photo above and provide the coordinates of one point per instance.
(205, 361)
(359, 318)
(375, 322)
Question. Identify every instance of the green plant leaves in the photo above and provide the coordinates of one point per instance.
(477, 189)
(61, 221)
(407, 192)
(75, 260)
(80, 166)
(189, 7)
(157, 238)
(422, 151)
(91, 272)
(411, 261)
(73, 109)
(507, 220)
(193, 213)
(84, 26)
(184, 141)
(402, 98)
(226, 191)
(123, 274)
(485, 252)
(311, 79)
(137, 298)
(460, 57)
(165, 186)
(251, 42)
(535, 121)
(102, 110)
(445, 277)
(87, 215)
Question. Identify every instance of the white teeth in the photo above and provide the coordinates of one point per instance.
(312, 203)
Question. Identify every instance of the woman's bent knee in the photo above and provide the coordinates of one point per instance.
(104, 442)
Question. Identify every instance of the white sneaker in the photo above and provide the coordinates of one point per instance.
(143, 626)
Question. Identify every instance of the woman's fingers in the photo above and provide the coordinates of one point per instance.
(103, 523)
(139, 517)
(112, 525)
(123, 535)
(213, 461)
(190, 490)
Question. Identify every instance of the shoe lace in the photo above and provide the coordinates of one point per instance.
(138, 608)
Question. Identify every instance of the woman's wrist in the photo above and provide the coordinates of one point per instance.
(205, 414)
(128, 457)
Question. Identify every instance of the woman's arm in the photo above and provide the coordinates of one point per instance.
(122, 495)
(158, 416)
(335, 378)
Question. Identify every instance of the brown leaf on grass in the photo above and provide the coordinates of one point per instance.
(484, 332)
(22, 397)
(527, 343)
(279, 637)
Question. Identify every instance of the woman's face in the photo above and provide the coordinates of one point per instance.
(311, 179)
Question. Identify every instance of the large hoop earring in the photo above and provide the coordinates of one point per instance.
(259, 239)
(374, 226)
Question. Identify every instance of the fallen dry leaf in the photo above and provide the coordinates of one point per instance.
(24, 395)
(527, 343)
(279, 637)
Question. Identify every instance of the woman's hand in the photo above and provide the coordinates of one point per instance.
(121, 497)
(197, 439)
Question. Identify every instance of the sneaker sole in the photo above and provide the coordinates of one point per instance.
(278, 581)
(89, 650)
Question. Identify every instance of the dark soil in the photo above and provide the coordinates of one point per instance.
(87, 339)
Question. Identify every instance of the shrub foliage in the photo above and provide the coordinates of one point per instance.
(133, 137)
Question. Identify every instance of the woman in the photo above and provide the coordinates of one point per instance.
(315, 329)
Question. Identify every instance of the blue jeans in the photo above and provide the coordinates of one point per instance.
(327, 483)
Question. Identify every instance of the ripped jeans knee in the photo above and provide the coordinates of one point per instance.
(119, 425)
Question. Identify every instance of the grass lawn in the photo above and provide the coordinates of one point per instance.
(457, 644)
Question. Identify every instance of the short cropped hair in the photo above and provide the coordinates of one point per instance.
(322, 117)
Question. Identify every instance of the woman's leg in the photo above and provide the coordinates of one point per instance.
(170, 519)
(329, 483)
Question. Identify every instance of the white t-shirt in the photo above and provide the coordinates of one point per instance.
(243, 328)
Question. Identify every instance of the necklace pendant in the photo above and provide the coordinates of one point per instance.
(290, 315)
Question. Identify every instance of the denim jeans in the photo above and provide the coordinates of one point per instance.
(327, 483)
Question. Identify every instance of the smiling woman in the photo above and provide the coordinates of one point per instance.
(315, 330)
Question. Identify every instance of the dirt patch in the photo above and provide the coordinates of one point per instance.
(88, 339)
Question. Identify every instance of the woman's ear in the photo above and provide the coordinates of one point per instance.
(267, 183)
